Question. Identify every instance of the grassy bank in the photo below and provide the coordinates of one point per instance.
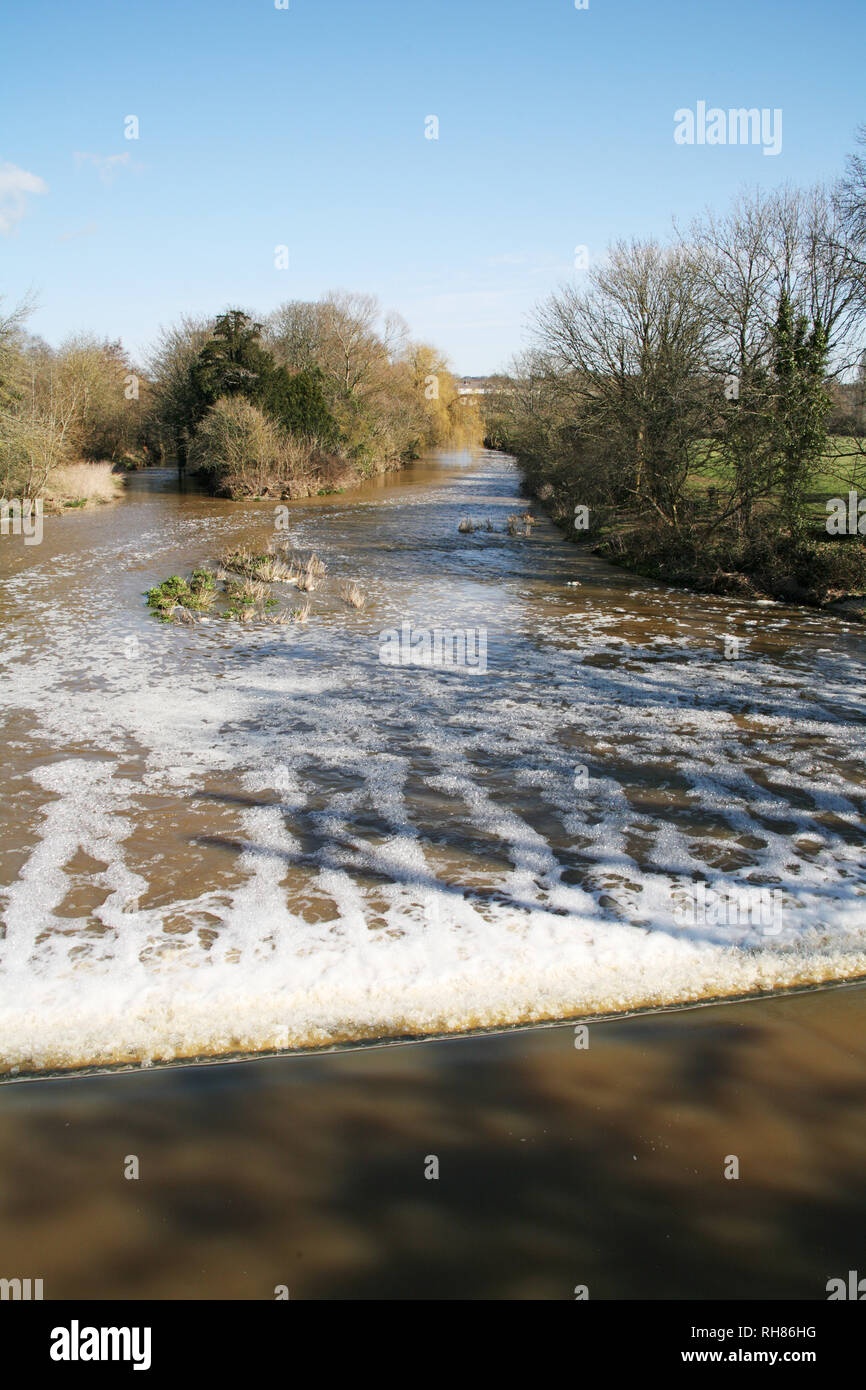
(812, 569)
(80, 485)
(702, 553)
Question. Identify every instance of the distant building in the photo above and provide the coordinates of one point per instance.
(474, 386)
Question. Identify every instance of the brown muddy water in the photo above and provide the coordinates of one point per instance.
(558, 1167)
(223, 840)
(228, 839)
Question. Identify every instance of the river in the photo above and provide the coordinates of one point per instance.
(225, 839)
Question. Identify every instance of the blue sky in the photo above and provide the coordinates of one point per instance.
(305, 127)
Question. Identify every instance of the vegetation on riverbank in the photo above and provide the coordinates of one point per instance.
(78, 484)
(696, 407)
(69, 417)
(307, 402)
(315, 398)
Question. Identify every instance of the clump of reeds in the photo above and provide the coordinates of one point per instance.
(520, 525)
(248, 596)
(268, 567)
(247, 591)
(292, 568)
(274, 570)
(467, 525)
(238, 561)
(245, 596)
(178, 600)
(309, 573)
(353, 594)
(202, 585)
(245, 577)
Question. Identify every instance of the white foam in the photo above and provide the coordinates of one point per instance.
(411, 853)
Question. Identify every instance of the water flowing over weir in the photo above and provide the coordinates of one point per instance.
(223, 839)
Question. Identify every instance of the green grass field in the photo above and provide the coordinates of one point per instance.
(842, 468)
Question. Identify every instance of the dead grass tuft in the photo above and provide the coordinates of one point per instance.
(353, 594)
(82, 482)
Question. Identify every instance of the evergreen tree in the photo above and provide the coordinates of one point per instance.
(802, 405)
(298, 402)
(232, 363)
(235, 363)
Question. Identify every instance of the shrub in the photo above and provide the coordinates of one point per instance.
(244, 454)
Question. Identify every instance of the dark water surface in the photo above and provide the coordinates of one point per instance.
(558, 1166)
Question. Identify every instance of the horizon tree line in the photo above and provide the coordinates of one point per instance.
(237, 399)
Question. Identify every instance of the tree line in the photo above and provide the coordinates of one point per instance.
(311, 395)
(694, 396)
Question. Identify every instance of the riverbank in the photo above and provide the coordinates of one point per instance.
(813, 571)
(313, 474)
(80, 485)
(600, 1166)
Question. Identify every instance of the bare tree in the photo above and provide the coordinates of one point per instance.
(630, 354)
(169, 366)
(294, 333)
(851, 198)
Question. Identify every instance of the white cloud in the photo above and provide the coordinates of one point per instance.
(108, 165)
(16, 187)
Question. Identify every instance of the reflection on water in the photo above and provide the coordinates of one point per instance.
(558, 1166)
(223, 839)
